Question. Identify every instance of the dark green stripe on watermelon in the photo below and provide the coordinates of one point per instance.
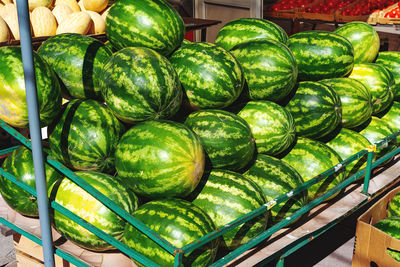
(20, 165)
(225, 196)
(316, 109)
(210, 75)
(391, 61)
(245, 29)
(86, 136)
(311, 158)
(140, 84)
(13, 105)
(226, 138)
(77, 200)
(378, 80)
(78, 60)
(159, 159)
(145, 23)
(275, 177)
(272, 126)
(355, 98)
(321, 55)
(269, 67)
(180, 223)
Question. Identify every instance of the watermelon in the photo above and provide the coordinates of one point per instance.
(140, 84)
(77, 200)
(390, 226)
(78, 60)
(20, 165)
(377, 80)
(159, 159)
(355, 98)
(13, 105)
(226, 138)
(391, 61)
(347, 143)
(321, 55)
(393, 209)
(363, 37)
(180, 223)
(226, 196)
(375, 130)
(392, 116)
(245, 29)
(210, 75)
(275, 177)
(311, 158)
(86, 135)
(316, 109)
(145, 23)
(272, 126)
(269, 68)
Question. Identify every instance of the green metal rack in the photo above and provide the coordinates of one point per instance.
(178, 253)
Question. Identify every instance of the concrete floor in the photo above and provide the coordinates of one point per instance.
(7, 251)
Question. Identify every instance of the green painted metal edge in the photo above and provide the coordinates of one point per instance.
(108, 238)
(97, 194)
(38, 241)
(6, 151)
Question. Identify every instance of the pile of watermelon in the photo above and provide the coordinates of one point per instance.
(188, 137)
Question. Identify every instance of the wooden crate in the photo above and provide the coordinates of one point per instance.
(383, 20)
(302, 14)
(371, 19)
(30, 254)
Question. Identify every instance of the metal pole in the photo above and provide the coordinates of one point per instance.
(368, 169)
(34, 126)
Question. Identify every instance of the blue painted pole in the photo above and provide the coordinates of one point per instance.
(34, 126)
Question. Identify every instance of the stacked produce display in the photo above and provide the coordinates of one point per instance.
(188, 137)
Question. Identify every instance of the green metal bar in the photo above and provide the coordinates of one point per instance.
(261, 237)
(108, 238)
(178, 259)
(281, 262)
(386, 157)
(247, 217)
(6, 151)
(368, 172)
(97, 194)
(38, 241)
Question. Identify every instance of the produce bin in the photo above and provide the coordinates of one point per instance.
(371, 244)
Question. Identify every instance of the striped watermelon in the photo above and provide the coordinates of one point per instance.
(245, 29)
(316, 109)
(210, 75)
(13, 105)
(355, 98)
(145, 23)
(226, 138)
(272, 126)
(86, 135)
(78, 60)
(393, 209)
(375, 130)
(392, 117)
(348, 143)
(77, 200)
(160, 159)
(377, 80)
(311, 158)
(363, 37)
(390, 226)
(275, 177)
(269, 68)
(20, 165)
(391, 61)
(226, 196)
(139, 84)
(180, 223)
(321, 55)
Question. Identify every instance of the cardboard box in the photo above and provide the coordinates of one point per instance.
(371, 244)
